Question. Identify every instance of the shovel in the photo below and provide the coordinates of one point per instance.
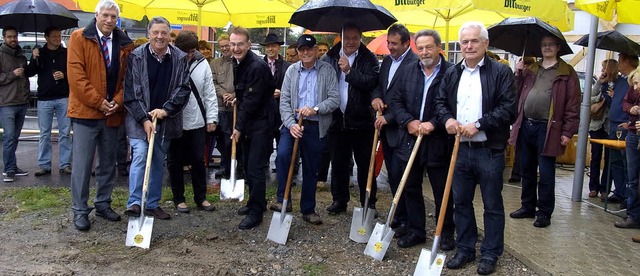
(281, 221)
(232, 188)
(139, 229)
(362, 220)
(430, 262)
(383, 234)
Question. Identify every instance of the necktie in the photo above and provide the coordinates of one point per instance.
(272, 65)
(105, 51)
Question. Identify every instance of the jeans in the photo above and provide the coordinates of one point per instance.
(311, 147)
(633, 168)
(618, 166)
(597, 182)
(481, 166)
(156, 174)
(536, 192)
(12, 121)
(188, 149)
(46, 109)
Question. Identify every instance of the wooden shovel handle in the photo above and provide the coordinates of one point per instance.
(294, 153)
(447, 187)
(147, 168)
(407, 170)
(372, 160)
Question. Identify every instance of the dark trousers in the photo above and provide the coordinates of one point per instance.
(596, 182)
(323, 172)
(633, 167)
(311, 147)
(618, 163)
(255, 149)
(224, 131)
(343, 145)
(188, 149)
(536, 192)
(479, 166)
(122, 153)
(395, 168)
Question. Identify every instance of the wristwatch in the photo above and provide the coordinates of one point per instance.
(478, 124)
(316, 109)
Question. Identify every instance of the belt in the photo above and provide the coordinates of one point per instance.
(536, 121)
(474, 144)
(309, 122)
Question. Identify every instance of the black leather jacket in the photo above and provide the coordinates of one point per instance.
(362, 79)
(254, 86)
(499, 100)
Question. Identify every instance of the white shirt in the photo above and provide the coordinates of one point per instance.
(109, 42)
(344, 85)
(395, 64)
(469, 106)
(427, 83)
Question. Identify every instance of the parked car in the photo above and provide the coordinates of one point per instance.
(583, 80)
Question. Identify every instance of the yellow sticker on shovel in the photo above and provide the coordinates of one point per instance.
(138, 239)
(362, 231)
(377, 247)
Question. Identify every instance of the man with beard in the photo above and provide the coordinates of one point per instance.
(254, 96)
(413, 105)
(96, 65)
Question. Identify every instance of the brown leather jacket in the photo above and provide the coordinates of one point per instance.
(88, 76)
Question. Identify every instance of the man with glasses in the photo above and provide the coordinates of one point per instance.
(291, 54)
(548, 117)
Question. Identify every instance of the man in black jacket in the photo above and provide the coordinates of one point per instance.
(50, 64)
(398, 40)
(254, 88)
(413, 106)
(351, 131)
(477, 98)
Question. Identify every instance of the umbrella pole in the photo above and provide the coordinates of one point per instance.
(199, 21)
(446, 38)
(583, 132)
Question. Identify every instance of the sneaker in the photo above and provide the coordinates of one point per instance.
(18, 172)
(42, 172)
(66, 170)
(9, 177)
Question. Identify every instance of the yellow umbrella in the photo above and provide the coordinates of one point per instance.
(213, 13)
(446, 13)
(605, 9)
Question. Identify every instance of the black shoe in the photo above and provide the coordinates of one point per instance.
(9, 177)
(627, 223)
(486, 267)
(133, 211)
(108, 214)
(157, 213)
(623, 205)
(395, 223)
(542, 221)
(513, 180)
(123, 172)
(447, 243)
(278, 208)
(411, 239)
(522, 213)
(81, 222)
(42, 172)
(250, 222)
(612, 199)
(401, 231)
(459, 260)
(243, 211)
(336, 208)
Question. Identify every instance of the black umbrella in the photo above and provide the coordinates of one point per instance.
(36, 16)
(612, 41)
(522, 36)
(331, 15)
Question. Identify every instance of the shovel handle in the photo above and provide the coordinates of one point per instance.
(147, 168)
(294, 153)
(233, 141)
(405, 176)
(447, 187)
(372, 160)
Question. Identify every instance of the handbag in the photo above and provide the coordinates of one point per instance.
(597, 110)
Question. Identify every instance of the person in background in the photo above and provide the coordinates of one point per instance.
(199, 116)
(139, 41)
(50, 64)
(599, 127)
(323, 48)
(156, 86)
(291, 54)
(96, 65)
(205, 49)
(515, 170)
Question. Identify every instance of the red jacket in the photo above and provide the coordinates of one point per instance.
(564, 115)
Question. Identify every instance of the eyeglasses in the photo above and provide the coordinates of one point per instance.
(225, 46)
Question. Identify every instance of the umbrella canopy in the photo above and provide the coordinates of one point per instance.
(612, 41)
(522, 36)
(331, 15)
(625, 9)
(379, 45)
(36, 16)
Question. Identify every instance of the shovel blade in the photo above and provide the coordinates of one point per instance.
(361, 229)
(379, 241)
(279, 229)
(229, 191)
(425, 268)
(139, 233)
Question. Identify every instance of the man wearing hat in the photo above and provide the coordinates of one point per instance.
(310, 89)
(278, 67)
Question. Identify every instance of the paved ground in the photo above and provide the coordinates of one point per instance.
(580, 241)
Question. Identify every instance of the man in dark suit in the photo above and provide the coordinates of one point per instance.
(400, 55)
(413, 106)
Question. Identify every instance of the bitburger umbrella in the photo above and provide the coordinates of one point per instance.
(522, 36)
(612, 41)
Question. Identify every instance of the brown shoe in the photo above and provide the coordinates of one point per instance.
(133, 211)
(42, 172)
(627, 223)
(157, 213)
(636, 238)
(278, 208)
(593, 194)
(66, 170)
(312, 218)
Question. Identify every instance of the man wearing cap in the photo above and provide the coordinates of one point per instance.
(278, 67)
(310, 87)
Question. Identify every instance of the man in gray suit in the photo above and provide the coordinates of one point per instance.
(398, 40)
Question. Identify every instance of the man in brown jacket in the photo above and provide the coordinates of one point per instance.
(96, 65)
